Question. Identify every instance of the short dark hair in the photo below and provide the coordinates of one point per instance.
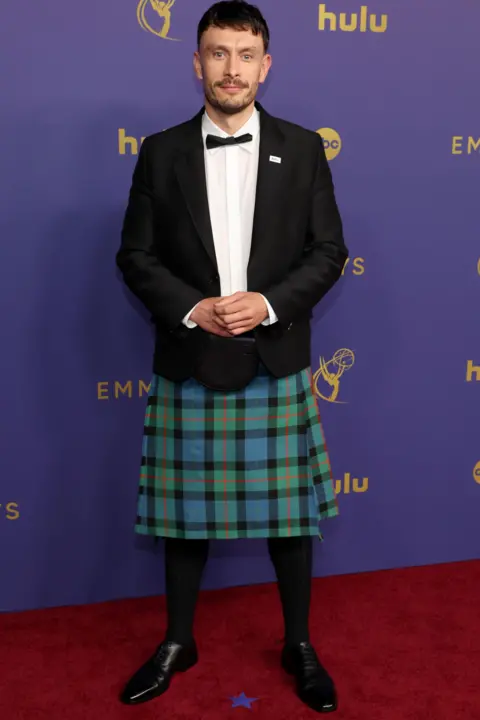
(235, 14)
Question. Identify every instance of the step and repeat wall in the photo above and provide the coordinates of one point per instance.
(392, 87)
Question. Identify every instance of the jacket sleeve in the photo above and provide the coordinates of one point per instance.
(324, 253)
(167, 297)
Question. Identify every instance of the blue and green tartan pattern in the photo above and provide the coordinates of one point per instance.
(228, 465)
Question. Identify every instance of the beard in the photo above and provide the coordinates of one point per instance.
(230, 105)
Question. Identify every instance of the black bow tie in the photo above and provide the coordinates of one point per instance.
(213, 141)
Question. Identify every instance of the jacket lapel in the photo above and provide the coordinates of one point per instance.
(269, 192)
(190, 171)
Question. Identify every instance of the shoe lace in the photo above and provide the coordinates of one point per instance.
(161, 653)
(311, 663)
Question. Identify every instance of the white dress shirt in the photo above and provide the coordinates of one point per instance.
(231, 174)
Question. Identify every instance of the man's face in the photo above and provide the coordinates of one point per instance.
(231, 64)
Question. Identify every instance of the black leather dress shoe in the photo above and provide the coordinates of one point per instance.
(314, 685)
(154, 677)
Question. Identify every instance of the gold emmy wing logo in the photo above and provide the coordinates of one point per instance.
(163, 11)
(326, 380)
(476, 473)
(331, 142)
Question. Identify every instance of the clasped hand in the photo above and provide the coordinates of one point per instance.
(231, 315)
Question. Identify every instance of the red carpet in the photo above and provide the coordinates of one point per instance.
(401, 645)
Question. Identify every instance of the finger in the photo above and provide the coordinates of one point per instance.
(225, 309)
(215, 329)
(236, 311)
(212, 327)
(220, 331)
(244, 322)
(230, 298)
(242, 329)
(244, 316)
(228, 302)
(240, 324)
(220, 322)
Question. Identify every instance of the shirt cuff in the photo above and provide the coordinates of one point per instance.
(272, 318)
(187, 322)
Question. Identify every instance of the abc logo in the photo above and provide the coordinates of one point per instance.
(331, 142)
(476, 473)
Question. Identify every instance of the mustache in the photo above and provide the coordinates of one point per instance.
(237, 83)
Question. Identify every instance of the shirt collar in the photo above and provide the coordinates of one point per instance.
(252, 126)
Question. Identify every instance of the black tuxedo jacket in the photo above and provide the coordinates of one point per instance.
(167, 254)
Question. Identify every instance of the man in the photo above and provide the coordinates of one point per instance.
(231, 237)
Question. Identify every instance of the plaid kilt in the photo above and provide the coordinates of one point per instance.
(229, 465)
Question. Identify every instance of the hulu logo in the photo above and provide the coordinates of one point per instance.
(473, 372)
(127, 144)
(348, 485)
(350, 22)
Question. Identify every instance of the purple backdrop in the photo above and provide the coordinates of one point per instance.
(83, 85)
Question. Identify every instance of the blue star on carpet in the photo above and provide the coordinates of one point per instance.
(243, 701)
